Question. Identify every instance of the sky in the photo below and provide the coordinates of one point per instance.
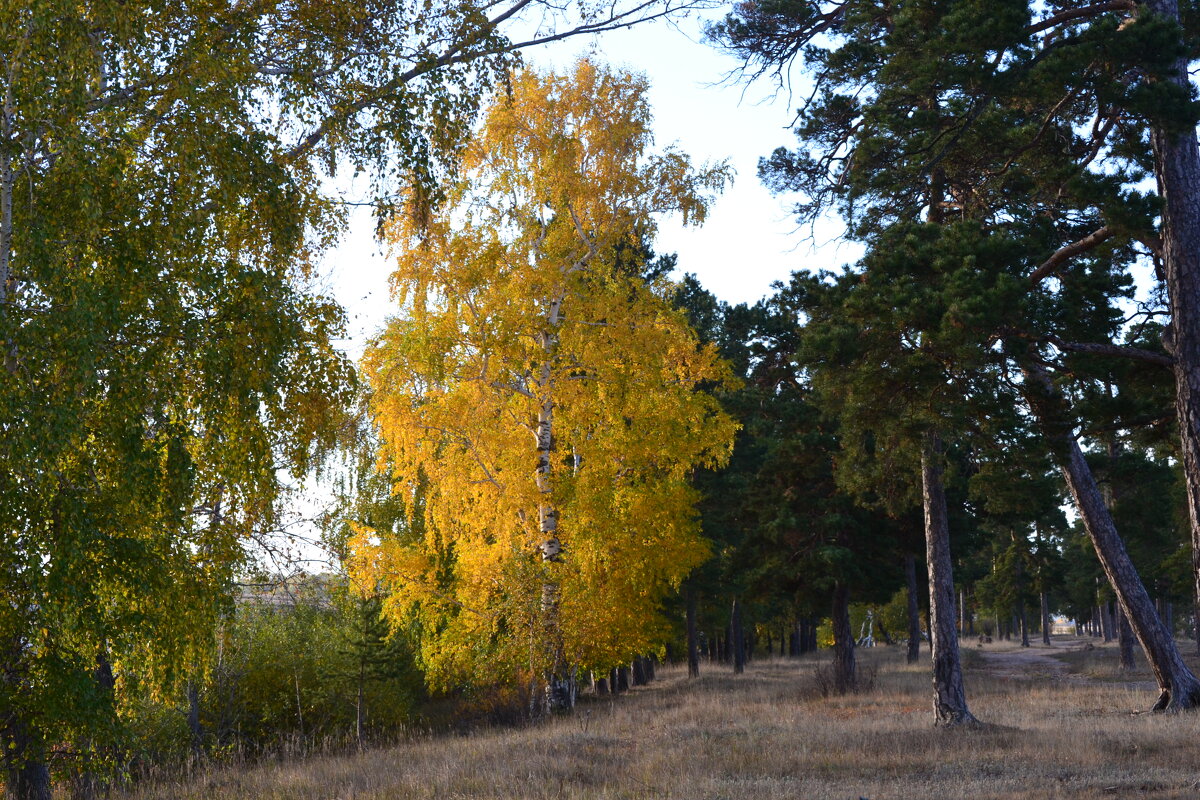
(750, 238)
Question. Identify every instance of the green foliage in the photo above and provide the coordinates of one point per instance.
(165, 357)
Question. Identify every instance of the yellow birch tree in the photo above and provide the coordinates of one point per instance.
(537, 396)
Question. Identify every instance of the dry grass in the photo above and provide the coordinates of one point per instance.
(768, 734)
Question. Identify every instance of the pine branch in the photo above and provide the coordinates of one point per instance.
(1067, 252)
(1121, 351)
(1072, 14)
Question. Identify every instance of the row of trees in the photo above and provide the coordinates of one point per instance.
(997, 175)
(548, 412)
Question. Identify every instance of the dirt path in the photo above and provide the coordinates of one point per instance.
(1028, 663)
(1042, 663)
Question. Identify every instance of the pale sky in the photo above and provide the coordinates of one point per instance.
(750, 238)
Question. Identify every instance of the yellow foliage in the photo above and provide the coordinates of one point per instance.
(524, 295)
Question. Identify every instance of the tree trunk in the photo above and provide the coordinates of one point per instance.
(693, 644)
(614, 680)
(1022, 617)
(1196, 621)
(193, 719)
(87, 783)
(602, 687)
(962, 613)
(358, 706)
(1178, 686)
(914, 609)
(1045, 604)
(1124, 639)
(638, 668)
(949, 696)
(299, 705)
(623, 678)
(737, 642)
(28, 775)
(560, 679)
(884, 633)
(1177, 166)
(845, 672)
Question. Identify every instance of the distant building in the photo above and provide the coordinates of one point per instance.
(1060, 625)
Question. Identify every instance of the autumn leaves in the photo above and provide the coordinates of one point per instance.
(539, 391)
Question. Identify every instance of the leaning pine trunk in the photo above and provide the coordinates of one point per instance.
(1178, 687)
(914, 609)
(1177, 165)
(845, 671)
(949, 696)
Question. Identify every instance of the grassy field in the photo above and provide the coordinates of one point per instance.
(1061, 722)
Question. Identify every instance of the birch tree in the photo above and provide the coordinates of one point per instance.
(162, 208)
(541, 395)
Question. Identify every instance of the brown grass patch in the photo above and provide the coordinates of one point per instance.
(766, 734)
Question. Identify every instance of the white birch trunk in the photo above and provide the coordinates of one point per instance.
(560, 682)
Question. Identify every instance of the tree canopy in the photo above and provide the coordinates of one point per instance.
(539, 393)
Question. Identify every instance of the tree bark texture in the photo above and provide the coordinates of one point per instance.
(845, 670)
(1177, 165)
(1045, 604)
(1178, 687)
(737, 640)
(1124, 639)
(949, 695)
(27, 772)
(193, 719)
(914, 609)
(560, 678)
(693, 643)
(1196, 621)
(638, 670)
